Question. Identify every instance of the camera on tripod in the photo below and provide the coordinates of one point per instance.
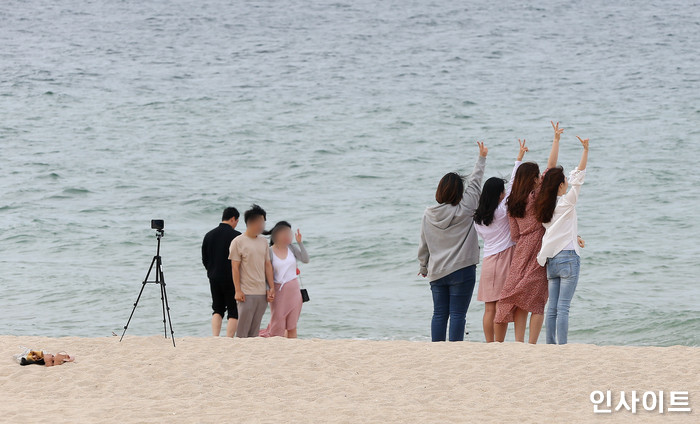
(158, 225)
(157, 266)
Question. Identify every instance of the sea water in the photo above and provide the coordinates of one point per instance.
(340, 117)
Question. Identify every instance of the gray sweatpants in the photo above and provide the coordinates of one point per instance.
(250, 315)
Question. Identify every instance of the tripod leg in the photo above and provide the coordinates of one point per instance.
(161, 283)
(166, 306)
(143, 285)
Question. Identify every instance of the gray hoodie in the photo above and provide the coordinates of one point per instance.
(448, 241)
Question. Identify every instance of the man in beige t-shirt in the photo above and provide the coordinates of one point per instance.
(252, 273)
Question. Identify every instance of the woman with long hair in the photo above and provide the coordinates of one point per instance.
(491, 223)
(449, 249)
(525, 289)
(286, 308)
(556, 210)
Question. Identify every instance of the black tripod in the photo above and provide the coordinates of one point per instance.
(160, 280)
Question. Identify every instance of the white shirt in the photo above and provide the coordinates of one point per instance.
(562, 231)
(285, 270)
(496, 236)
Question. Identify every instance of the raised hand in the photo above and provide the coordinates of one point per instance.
(554, 153)
(584, 155)
(298, 236)
(557, 131)
(584, 142)
(523, 149)
(483, 150)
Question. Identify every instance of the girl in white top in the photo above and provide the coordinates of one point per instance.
(491, 223)
(286, 307)
(555, 208)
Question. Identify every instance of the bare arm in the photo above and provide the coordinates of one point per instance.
(236, 271)
(576, 179)
(554, 153)
(584, 155)
(270, 277)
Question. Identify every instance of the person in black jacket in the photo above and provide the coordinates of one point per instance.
(215, 251)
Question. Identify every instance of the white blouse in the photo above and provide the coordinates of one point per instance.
(562, 231)
(497, 235)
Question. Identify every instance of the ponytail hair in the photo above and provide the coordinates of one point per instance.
(546, 200)
(277, 227)
(489, 200)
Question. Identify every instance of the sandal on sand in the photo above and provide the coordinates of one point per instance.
(40, 357)
(66, 356)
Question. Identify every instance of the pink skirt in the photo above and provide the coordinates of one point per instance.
(285, 310)
(494, 271)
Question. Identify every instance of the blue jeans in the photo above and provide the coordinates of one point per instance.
(451, 296)
(562, 273)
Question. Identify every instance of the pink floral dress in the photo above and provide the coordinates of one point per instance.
(526, 286)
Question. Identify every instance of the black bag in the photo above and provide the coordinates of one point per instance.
(304, 293)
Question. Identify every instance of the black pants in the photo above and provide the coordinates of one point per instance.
(223, 296)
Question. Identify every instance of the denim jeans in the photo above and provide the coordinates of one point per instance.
(451, 296)
(562, 273)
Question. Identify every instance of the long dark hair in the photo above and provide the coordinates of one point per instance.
(523, 184)
(489, 200)
(277, 227)
(450, 189)
(546, 201)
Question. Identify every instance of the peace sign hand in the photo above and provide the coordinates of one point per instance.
(523, 149)
(298, 236)
(483, 150)
(557, 131)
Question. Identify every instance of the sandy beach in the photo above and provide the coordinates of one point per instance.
(215, 380)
